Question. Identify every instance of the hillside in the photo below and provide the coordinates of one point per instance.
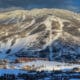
(50, 33)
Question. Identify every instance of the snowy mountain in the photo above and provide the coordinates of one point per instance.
(50, 33)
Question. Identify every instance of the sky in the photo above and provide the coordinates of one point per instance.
(73, 5)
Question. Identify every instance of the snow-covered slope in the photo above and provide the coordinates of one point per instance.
(29, 32)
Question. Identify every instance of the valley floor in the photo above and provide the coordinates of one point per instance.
(39, 65)
(40, 70)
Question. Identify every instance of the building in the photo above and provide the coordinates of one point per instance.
(25, 59)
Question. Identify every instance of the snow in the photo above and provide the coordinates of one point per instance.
(40, 65)
(11, 71)
(74, 79)
(47, 79)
